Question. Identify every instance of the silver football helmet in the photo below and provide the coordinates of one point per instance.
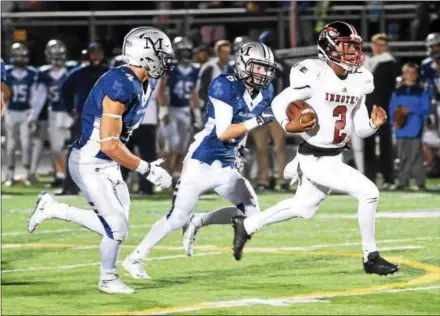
(240, 41)
(255, 64)
(149, 48)
(56, 52)
(433, 44)
(183, 48)
(19, 55)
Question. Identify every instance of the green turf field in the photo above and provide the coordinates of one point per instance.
(297, 267)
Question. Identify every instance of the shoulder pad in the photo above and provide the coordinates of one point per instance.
(425, 62)
(44, 68)
(8, 67)
(221, 87)
(31, 68)
(366, 78)
(305, 73)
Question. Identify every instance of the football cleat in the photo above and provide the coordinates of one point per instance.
(188, 239)
(31, 179)
(114, 286)
(135, 267)
(41, 211)
(240, 236)
(378, 265)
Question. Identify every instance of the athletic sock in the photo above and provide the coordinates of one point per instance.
(109, 250)
(158, 232)
(367, 225)
(221, 216)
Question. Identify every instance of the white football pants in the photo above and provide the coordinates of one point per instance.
(177, 132)
(17, 130)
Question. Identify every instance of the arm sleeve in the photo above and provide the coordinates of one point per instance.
(361, 120)
(223, 115)
(204, 80)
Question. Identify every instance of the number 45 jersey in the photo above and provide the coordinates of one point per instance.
(338, 102)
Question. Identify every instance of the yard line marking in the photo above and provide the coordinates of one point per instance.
(299, 248)
(432, 275)
(409, 247)
(62, 230)
(74, 266)
(279, 302)
(404, 214)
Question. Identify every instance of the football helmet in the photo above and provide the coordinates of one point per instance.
(433, 45)
(56, 52)
(183, 49)
(240, 41)
(149, 48)
(255, 64)
(349, 55)
(19, 55)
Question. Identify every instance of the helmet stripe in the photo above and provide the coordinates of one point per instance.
(351, 27)
(264, 51)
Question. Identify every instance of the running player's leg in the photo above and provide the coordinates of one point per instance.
(37, 144)
(25, 139)
(196, 179)
(12, 137)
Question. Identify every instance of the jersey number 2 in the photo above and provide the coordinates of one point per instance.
(340, 112)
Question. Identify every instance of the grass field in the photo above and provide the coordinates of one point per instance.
(296, 267)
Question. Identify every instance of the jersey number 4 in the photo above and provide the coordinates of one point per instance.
(340, 112)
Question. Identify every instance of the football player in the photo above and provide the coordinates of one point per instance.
(114, 108)
(4, 88)
(237, 104)
(20, 114)
(59, 120)
(176, 116)
(335, 86)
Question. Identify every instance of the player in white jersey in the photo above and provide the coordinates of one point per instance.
(335, 86)
(114, 108)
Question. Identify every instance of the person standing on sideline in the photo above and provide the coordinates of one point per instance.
(385, 69)
(411, 103)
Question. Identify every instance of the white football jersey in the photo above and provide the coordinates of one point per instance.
(338, 103)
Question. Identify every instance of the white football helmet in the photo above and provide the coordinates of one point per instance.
(149, 48)
(255, 64)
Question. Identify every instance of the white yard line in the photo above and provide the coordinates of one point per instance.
(74, 266)
(278, 302)
(63, 230)
(404, 214)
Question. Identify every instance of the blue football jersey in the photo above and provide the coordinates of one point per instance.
(181, 82)
(119, 84)
(431, 76)
(232, 91)
(53, 80)
(20, 83)
(3, 74)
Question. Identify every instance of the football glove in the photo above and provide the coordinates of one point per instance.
(240, 158)
(265, 117)
(156, 174)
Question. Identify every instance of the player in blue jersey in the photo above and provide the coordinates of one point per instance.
(4, 88)
(430, 73)
(19, 115)
(237, 103)
(114, 108)
(175, 115)
(54, 111)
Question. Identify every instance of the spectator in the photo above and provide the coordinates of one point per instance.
(213, 68)
(74, 92)
(385, 69)
(411, 102)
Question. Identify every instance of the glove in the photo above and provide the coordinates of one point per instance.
(240, 158)
(155, 174)
(264, 118)
(163, 114)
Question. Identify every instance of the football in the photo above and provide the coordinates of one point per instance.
(302, 110)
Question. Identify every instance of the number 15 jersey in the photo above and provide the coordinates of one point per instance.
(339, 103)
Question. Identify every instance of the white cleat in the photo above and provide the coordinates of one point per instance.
(188, 239)
(40, 213)
(114, 286)
(135, 267)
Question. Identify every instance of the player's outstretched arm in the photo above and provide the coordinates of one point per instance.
(363, 125)
(227, 130)
(110, 131)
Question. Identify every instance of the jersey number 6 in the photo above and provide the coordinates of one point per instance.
(340, 112)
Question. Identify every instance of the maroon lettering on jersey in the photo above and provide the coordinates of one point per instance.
(332, 97)
(326, 96)
(352, 100)
(349, 99)
(338, 98)
(343, 99)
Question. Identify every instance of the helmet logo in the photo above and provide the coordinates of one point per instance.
(245, 50)
(155, 45)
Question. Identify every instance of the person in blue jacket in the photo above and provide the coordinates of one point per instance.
(411, 95)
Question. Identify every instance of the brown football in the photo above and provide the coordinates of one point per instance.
(300, 109)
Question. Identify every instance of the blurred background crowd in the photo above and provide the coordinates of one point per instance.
(56, 50)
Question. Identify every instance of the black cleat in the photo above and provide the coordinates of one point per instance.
(240, 236)
(378, 265)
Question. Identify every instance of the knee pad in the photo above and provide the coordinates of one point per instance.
(116, 227)
(178, 218)
(370, 194)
